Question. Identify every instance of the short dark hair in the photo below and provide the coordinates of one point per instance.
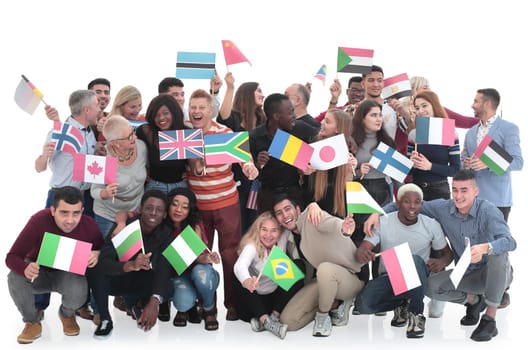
(492, 95)
(355, 79)
(374, 69)
(273, 103)
(98, 81)
(69, 194)
(282, 197)
(463, 175)
(167, 83)
(154, 193)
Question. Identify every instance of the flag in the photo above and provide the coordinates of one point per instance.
(435, 131)
(27, 96)
(397, 87)
(68, 138)
(136, 123)
(354, 60)
(329, 153)
(128, 241)
(64, 253)
(195, 65)
(184, 250)
(181, 144)
(359, 201)
(462, 264)
(290, 149)
(493, 155)
(231, 147)
(390, 162)
(94, 169)
(232, 53)
(281, 269)
(400, 267)
(253, 193)
(321, 74)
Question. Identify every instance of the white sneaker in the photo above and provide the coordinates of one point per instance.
(256, 326)
(274, 326)
(436, 308)
(322, 325)
(340, 315)
(416, 326)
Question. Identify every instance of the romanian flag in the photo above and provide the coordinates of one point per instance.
(351, 60)
(493, 155)
(397, 87)
(232, 53)
(129, 241)
(231, 147)
(290, 149)
(68, 138)
(64, 253)
(94, 169)
(281, 269)
(400, 267)
(27, 96)
(359, 201)
(321, 74)
(387, 160)
(184, 250)
(195, 65)
(435, 131)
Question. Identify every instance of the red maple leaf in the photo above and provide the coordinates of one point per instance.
(94, 169)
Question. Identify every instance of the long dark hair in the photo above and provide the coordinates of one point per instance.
(151, 129)
(358, 129)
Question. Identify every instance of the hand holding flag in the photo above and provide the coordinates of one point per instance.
(184, 250)
(281, 269)
(129, 241)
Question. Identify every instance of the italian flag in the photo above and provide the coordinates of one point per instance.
(64, 253)
(435, 131)
(129, 241)
(184, 250)
(493, 155)
(400, 267)
(359, 201)
(350, 60)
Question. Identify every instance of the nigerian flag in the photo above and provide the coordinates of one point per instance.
(184, 250)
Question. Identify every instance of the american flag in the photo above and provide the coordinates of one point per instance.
(252, 197)
(181, 144)
(68, 138)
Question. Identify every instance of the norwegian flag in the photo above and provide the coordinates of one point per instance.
(68, 138)
(181, 144)
(252, 197)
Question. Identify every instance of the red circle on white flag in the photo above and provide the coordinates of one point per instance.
(327, 154)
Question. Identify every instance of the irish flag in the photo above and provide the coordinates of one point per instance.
(397, 86)
(435, 131)
(359, 201)
(290, 149)
(129, 241)
(400, 267)
(64, 253)
(351, 60)
(493, 155)
(94, 169)
(184, 250)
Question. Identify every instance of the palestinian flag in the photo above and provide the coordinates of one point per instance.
(493, 155)
(354, 60)
(231, 147)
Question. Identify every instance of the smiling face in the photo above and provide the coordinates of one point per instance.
(287, 214)
(200, 113)
(179, 209)
(409, 206)
(286, 116)
(328, 126)
(130, 110)
(373, 84)
(163, 118)
(153, 211)
(67, 216)
(464, 193)
(103, 95)
(269, 232)
(423, 107)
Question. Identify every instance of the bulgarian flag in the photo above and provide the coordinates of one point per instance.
(94, 169)
(129, 241)
(291, 150)
(400, 267)
(359, 201)
(351, 60)
(397, 86)
(184, 250)
(281, 269)
(435, 131)
(493, 155)
(64, 253)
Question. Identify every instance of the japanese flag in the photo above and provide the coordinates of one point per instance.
(94, 169)
(329, 153)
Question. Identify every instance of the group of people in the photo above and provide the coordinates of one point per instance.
(302, 212)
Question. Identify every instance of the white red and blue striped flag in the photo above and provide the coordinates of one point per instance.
(68, 138)
(253, 193)
(181, 144)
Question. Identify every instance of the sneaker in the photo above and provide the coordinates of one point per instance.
(401, 315)
(381, 313)
(355, 311)
(416, 326)
(85, 312)
(104, 329)
(276, 327)
(256, 326)
(322, 325)
(341, 315)
(486, 329)
(164, 312)
(31, 332)
(436, 308)
(473, 312)
(69, 325)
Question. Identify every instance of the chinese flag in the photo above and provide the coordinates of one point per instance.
(232, 53)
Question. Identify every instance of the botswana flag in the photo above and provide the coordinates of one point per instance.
(195, 65)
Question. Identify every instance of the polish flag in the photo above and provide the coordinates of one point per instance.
(400, 267)
(329, 153)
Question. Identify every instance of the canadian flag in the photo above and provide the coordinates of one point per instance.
(329, 153)
(94, 169)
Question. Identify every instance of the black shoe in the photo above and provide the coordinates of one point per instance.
(194, 316)
(164, 312)
(473, 312)
(104, 329)
(486, 329)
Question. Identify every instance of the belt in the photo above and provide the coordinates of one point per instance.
(432, 184)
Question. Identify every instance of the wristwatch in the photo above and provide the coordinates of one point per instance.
(490, 249)
(159, 297)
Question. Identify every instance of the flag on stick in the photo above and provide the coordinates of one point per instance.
(181, 144)
(184, 250)
(281, 269)
(397, 86)
(68, 138)
(232, 53)
(290, 149)
(195, 65)
(359, 201)
(329, 153)
(390, 162)
(231, 147)
(493, 155)
(94, 169)
(350, 60)
(400, 267)
(435, 131)
(129, 241)
(27, 96)
(462, 264)
(321, 74)
(64, 253)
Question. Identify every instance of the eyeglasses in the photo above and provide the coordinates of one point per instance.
(129, 137)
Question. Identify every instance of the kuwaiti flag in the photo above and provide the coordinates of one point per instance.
(129, 241)
(230, 147)
(435, 131)
(184, 250)
(400, 267)
(329, 153)
(195, 65)
(387, 160)
(350, 60)
(290, 149)
(94, 169)
(68, 138)
(281, 269)
(359, 201)
(64, 253)
(397, 87)
(493, 155)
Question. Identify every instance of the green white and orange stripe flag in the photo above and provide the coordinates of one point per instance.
(64, 253)
(184, 250)
(281, 269)
(359, 201)
(493, 155)
(129, 241)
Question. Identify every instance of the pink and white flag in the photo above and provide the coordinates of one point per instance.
(400, 267)
(94, 169)
(329, 153)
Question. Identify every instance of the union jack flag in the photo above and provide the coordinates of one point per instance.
(181, 144)
(252, 197)
(68, 138)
